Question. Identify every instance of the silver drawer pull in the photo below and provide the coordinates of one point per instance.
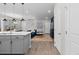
(0, 42)
(17, 37)
(24, 36)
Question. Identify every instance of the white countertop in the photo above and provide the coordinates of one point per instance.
(14, 33)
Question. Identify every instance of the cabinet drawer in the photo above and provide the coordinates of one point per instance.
(4, 37)
(17, 37)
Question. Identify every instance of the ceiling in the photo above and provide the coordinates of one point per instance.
(35, 10)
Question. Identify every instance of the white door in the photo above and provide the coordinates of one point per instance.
(47, 27)
(73, 29)
(17, 45)
(57, 28)
(5, 47)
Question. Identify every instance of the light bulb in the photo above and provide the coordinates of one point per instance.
(49, 11)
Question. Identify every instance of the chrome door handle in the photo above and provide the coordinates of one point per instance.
(59, 33)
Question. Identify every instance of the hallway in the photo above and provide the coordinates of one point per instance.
(43, 45)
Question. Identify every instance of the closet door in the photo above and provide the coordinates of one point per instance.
(73, 31)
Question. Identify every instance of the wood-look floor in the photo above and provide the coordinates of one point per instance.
(43, 45)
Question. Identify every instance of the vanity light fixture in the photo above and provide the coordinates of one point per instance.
(13, 3)
(22, 12)
(14, 12)
(4, 3)
(14, 20)
(22, 3)
(22, 19)
(4, 12)
(5, 20)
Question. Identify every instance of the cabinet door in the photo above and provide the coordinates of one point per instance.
(29, 40)
(17, 45)
(26, 44)
(5, 47)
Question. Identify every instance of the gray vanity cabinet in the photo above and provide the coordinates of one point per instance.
(17, 44)
(5, 47)
(14, 44)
